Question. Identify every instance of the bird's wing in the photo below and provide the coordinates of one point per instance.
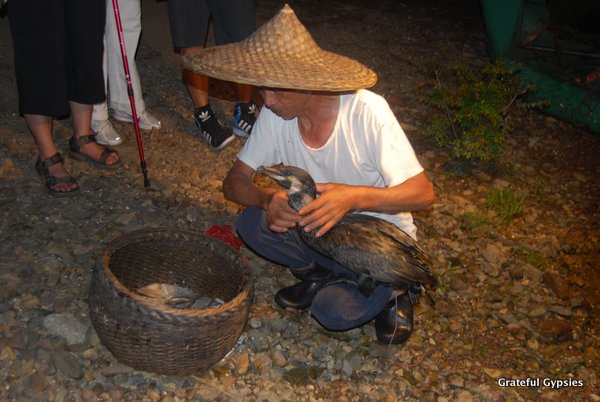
(375, 247)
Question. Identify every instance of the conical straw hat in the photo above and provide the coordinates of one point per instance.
(281, 54)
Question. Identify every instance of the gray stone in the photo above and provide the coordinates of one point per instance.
(258, 340)
(254, 323)
(350, 364)
(555, 330)
(456, 381)
(67, 327)
(537, 311)
(531, 272)
(278, 358)
(35, 384)
(292, 330)
(116, 368)
(492, 270)
(465, 396)
(277, 325)
(494, 254)
(563, 311)
(558, 285)
(68, 364)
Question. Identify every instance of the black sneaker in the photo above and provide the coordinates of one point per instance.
(211, 129)
(244, 117)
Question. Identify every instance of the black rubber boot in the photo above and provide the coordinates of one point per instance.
(301, 295)
(302, 272)
(394, 324)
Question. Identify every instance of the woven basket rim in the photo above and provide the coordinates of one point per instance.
(103, 264)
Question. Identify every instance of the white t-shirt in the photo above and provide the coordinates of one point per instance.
(367, 147)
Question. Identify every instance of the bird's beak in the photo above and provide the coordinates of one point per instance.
(274, 174)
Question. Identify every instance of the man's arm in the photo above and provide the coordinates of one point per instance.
(239, 187)
(336, 200)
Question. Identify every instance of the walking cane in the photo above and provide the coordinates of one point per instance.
(130, 93)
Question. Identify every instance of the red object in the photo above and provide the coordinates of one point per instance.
(226, 234)
(130, 93)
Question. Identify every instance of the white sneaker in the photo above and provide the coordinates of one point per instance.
(105, 133)
(145, 120)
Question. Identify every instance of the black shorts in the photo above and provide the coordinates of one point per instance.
(58, 53)
(233, 21)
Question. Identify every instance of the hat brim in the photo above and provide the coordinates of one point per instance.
(325, 71)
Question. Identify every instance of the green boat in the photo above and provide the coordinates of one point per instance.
(556, 46)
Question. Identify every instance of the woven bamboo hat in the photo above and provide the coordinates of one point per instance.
(281, 54)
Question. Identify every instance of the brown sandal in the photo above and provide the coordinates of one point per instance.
(75, 145)
(50, 181)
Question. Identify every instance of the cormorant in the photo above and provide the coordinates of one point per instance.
(367, 245)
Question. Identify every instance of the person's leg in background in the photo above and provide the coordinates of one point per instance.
(85, 29)
(189, 21)
(233, 21)
(114, 75)
(131, 21)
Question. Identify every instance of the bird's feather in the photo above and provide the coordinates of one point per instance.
(375, 247)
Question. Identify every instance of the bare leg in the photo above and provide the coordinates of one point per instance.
(82, 118)
(197, 84)
(243, 92)
(41, 130)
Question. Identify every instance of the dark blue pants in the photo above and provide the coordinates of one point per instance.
(286, 249)
(337, 307)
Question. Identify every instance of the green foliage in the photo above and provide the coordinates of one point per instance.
(504, 202)
(473, 221)
(447, 276)
(473, 106)
(532, 257)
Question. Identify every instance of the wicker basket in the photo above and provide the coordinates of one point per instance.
(157, 338)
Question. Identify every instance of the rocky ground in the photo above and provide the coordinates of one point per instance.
(516, 300)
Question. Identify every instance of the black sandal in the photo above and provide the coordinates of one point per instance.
(50, 181)
(75, 145)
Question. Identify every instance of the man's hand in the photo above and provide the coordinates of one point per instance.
(334, 202)
(280, 216)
